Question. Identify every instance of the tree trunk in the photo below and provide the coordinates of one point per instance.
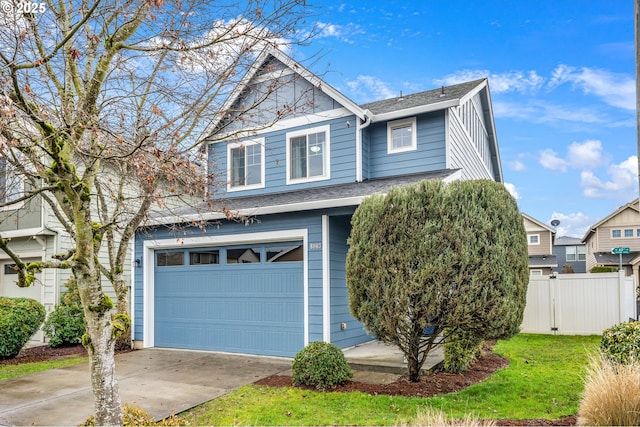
(413, 363)
(123, 340)
(108, 407)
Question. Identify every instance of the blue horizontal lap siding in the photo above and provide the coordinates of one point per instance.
(342, 166)
(430, 154)
(245, 308)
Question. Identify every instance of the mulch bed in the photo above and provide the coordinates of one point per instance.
(44, 353)
(432, 385)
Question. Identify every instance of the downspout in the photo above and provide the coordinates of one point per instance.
(368, 115)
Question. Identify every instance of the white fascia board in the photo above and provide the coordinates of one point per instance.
(414, 111)
(27, 232)
(266, 210)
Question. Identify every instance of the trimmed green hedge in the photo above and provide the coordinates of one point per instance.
(604, 269)
(19, 319)
(321, 365)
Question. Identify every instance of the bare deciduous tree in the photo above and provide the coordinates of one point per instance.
(102, 106)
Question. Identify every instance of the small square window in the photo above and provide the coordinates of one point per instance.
(401, 135)
(628, 233)
(534, 239)
(616, 234)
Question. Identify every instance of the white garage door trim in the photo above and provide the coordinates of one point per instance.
(270, 236)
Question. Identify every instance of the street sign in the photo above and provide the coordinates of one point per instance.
(620, 251)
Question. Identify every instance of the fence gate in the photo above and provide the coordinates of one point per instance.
(578, 304)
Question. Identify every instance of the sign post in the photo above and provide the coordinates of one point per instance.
(620, 251)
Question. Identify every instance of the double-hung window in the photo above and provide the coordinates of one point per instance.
(576, 253)
(308, 155)
(246, 165)
(401, 135)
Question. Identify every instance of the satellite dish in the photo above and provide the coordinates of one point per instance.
(555, 222)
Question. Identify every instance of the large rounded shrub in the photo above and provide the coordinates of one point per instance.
(621, 343)
(19, 319)
(321, 365)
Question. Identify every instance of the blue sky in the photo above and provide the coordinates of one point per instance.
(561, 75)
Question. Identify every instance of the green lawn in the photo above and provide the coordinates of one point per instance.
(12, 371)
(543, 380)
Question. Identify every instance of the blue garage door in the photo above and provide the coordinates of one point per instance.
(239, 299)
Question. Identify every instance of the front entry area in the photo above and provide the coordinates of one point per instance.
(238, 299)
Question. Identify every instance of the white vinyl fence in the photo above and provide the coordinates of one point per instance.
(578, 304)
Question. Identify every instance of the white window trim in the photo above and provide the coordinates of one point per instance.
(230, 188)
(621, 233)
(17, 205)
(535, 271)
(399, 124)
(529, 236)
(327, 172)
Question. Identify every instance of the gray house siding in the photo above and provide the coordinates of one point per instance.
(561, 255)
(464, 153)
(429, 155)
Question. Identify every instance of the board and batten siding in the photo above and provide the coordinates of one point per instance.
(463, 152)
(430, 154)
(312, 221)
(339, 230)
(342, 151)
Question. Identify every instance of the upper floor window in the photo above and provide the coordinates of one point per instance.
(401, 135)
(628, 232)
(534, 239)
(308, 155)
(616, 234)
(246, 165)
(576, 253)
(10, 184)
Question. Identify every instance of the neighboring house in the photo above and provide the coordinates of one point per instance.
(570, 251)
(273, 283)
(620, 229)
(540, 239)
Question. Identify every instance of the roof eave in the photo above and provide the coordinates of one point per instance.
(413, 111)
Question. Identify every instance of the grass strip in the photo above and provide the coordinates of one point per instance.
(543, 380)
(13, 371)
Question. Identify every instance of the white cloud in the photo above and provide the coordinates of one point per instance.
(544, 112)
(549, 160)
(615, 89)
(517, 166)
(515, 81)
(585, 155)
(622, 179)
(369, 88)
(512, 190)
(344, 33)
(573, 224)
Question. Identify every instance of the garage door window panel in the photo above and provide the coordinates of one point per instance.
(204, 257)
(169, 259)
(289, 252)
(244, 255)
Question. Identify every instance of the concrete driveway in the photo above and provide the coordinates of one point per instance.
(159, 381)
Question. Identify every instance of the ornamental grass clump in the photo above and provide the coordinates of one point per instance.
(433, 417)
(611, 394)
(321, 365)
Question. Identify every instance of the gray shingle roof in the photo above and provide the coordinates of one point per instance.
(568, 241)
(543, 261)
(446, 93)
(317, 194)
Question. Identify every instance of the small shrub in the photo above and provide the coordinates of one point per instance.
(611, 394)
(460, 352)
(65, 324)
(136, 416)
(19, 319)
(321, 365)
(604, 269)
(621, 343)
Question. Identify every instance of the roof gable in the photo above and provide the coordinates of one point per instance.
(632, 206)
(537, 225)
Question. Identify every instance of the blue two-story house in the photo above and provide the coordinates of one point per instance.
(295, 168)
